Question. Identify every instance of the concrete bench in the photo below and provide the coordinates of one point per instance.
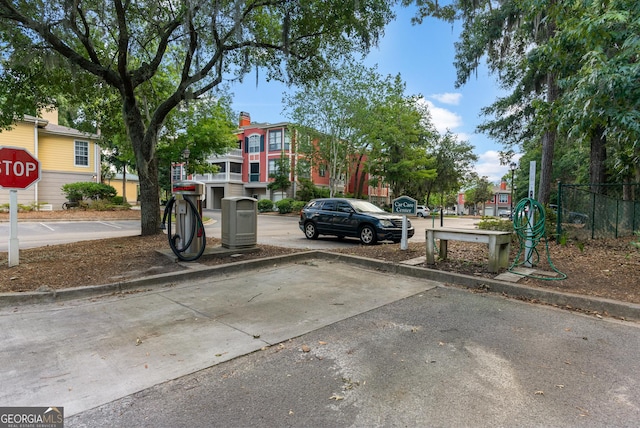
(499, 244)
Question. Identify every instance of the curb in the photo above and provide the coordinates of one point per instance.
(593, 305)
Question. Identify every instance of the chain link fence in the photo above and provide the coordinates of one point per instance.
(585, 214)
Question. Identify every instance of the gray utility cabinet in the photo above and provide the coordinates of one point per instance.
(239, 222)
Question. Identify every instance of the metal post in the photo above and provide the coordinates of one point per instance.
(185, 154)
(513, 166)
(14, 245)
(530, 217)
(404, 241)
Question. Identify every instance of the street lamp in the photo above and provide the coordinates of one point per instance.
(185, 154)
(513, 167)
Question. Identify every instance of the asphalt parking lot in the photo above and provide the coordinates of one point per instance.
(317, 343)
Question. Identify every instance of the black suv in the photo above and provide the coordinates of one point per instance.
(351, 217)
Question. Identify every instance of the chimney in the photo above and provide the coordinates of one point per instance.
(503, 185)
(49, 114)
(245, 119)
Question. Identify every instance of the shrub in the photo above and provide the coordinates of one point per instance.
(265, 205)
(88, 190)
(284, 206)
(297, 206)
(307, 191)
(491, 223)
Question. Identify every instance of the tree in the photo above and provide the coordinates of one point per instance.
(358, 122)
(572, 69)
(479, 193)
(507, 35)
(454, 161)
(401, 135)
(282, 174)
(126, 46)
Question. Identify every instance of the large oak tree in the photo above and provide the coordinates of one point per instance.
(126, 44)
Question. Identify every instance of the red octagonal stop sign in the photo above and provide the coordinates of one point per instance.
(18, 168)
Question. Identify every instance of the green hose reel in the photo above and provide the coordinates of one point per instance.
(529, 222)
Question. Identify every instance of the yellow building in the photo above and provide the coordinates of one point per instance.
(66, 155)
(131, 186)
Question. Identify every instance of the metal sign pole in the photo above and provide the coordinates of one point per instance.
(404, 244)
(530, 216)
(14, 245)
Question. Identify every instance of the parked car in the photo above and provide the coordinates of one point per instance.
(505, 213)
(422, 211)
(571, 216)
(356, 218)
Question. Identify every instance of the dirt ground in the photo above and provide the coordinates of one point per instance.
(604, 268)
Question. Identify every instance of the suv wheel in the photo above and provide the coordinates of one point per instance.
(367, 235)
(310, 231)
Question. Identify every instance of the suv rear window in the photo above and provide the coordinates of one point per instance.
(329, 206)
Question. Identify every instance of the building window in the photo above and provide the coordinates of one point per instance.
(81, 153)
(254, 144)
(304, 169)
(322, 170)
(287, 140)
(275, 140)
(235, 167)
(176, 172)
(273, 166)
(503, 198)
(254, 175)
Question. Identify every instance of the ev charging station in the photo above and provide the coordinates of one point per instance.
(185, 206)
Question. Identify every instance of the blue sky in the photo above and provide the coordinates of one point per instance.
(423, 55)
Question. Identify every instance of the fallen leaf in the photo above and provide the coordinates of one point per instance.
(138, 341)
(320, 342)
(336, 397)
(305, 348)
(538, 393)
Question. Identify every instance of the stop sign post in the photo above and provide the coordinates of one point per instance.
(18, 170)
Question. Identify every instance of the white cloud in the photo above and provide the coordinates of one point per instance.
(442, 118)
(489, 165)
(447, 98)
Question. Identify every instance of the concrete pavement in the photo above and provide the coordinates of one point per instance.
(86, 348)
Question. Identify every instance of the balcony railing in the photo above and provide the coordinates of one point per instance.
(221, 177)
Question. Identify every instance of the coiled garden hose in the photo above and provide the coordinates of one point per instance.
(533, 232)
(195, 226)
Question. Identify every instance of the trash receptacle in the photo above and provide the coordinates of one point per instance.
(239, 222)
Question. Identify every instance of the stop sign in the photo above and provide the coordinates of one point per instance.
(18, 168)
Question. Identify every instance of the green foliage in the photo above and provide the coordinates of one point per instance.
(308, 191)
(88, 190)
(297, 206)
(281, 176)
(265, 205)
(357, 121)
(285, 206)
(104, 205)
(491, 223)
(637, 243)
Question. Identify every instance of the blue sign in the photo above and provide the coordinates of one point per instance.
(404, 205)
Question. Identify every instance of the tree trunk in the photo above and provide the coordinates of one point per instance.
(124, 183)
(144, 144)
(598, 156)
(548, 146)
